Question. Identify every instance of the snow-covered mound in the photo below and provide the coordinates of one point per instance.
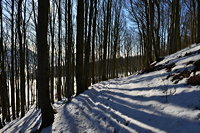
(158, 101)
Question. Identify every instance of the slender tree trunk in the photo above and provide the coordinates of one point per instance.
(59, 52)
(26, 50)
(22, 59)
(70, 85)
(105, 41)
(87, 50)
(152, 29)
(93, 41)
(28, 76)
(52, 29)
(69, 50)
(116, 40)
(174, 33)
(73, 70)
(79, 46)
(157, 30)
(17, 79)
(193, 21)
(66, 51)
(177, 38)
(3, 85)
(148, 44)
(43, 64)
(12, 62)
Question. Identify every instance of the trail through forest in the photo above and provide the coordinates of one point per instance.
(145, 103)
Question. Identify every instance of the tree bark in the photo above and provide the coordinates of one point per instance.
(43, 64)
(198, 21)
(12, 62)
(3, 84)
(79, 46)
(105, 41)
(93, 41)
(59, 52)
(87, 50)
(52, 29)
(70, 86)
(22, 59)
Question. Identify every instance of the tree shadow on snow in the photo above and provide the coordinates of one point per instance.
(174, 99)
(26, 122)
(126, 116)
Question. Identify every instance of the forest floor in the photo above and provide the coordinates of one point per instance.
(158, 101)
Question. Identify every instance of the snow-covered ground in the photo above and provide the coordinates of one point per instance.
(143, 103)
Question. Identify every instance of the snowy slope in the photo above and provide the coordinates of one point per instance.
(143, 103)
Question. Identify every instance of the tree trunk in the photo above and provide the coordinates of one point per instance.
(3, 84)
(70, 70)
(79, 46)
(66, 84)
(26, 50)
(22, 59)
(93, 41)
(177, 38)
(43, 64)
(87, 50)
(17, 79)
(198, 21)
(105, 41)
(12, 62)
(59, 52)
(116, 40)
(52, 29)
(157, 30)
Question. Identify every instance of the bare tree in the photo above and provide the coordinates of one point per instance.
(59, 51)
(93, 41)
(12, 62)
(79, 46)
(22, 58)
(105, 41)
(87, 80)
(43, 64)
(70, 77)
(3, 78)
(52, 33)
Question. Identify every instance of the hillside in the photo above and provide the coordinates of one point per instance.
(158, 100)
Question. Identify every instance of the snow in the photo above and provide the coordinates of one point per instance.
(143, 103)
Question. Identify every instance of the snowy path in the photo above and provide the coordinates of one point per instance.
(143, 103)
(126, 105)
